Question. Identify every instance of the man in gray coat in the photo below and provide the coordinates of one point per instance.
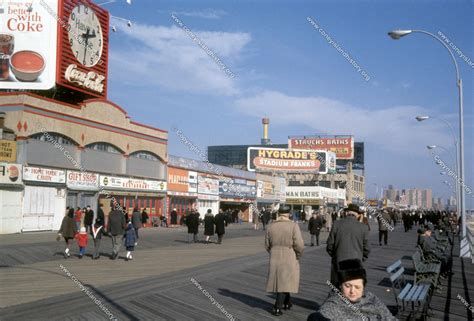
(348, 239)
(116, 229)
(384, 224)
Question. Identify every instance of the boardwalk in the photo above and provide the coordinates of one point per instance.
(158, 284)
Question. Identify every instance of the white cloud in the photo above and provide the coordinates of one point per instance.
(393, 129)
(167, 57)
(205, 13)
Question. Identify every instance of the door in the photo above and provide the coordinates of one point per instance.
(39, 208)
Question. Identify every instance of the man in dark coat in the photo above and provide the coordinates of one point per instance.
(88, 218)
(192, 221)
(314, 227)
(220, 222)
(348, 239)
(208, 225)
(174, 217)
(137, 222)
(384, 224)
(96, 232)
(116, 229)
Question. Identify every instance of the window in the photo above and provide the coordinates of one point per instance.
(104, 147)
(144, 155)
(53, 138)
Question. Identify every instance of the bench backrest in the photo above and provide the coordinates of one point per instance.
(396, 272)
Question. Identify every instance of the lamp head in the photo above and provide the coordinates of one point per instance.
(431, 146)
(397, 34)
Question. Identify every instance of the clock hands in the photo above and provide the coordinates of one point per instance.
(86, 36)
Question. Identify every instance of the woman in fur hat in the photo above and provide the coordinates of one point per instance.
(350, 301)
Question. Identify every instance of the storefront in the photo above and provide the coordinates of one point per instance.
(270, 191)
(237, 194)
(182, 191)
(44, 200)
(208, 194)
(82, 188)
(11, 192)
(148, 195)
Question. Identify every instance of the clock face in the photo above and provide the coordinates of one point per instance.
(85, 35)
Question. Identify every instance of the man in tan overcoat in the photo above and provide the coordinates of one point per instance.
(285, 244)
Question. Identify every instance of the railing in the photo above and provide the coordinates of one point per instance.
(470, 237)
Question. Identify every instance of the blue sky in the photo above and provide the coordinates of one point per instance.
(286, 70)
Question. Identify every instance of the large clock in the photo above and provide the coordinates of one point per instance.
(85, 35)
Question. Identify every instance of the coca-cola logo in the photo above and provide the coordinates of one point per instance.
(89, 80)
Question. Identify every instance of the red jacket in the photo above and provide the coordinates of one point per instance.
(82, 239)
(78, 216)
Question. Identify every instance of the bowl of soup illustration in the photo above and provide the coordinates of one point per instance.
(27, 65)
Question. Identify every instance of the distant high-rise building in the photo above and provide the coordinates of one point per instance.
(426, 198)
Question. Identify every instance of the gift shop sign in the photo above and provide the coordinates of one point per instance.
(132, 184)
(46, 175)
(82, 181)
(286, 160)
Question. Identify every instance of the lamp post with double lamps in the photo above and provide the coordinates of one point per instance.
(465, 248)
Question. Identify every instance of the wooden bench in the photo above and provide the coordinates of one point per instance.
(425, 272)
(419, 294)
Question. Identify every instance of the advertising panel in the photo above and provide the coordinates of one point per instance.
(132, 184)
(28, 41)
(279, 159)
(178, 180)
(208, 185)
(331, 162)
(7, 151)
(303, 192)
(82, 181)
(343, 146)
(237, 188)
(193, 181)
(49, 175)
(10, 174)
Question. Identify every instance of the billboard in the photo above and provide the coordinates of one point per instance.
(10, 174)
(28, 42)
(278, 159)
(237, 188)
(132, 184)
(343, 146)
(208, 185)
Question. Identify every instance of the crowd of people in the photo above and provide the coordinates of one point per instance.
(347, 245)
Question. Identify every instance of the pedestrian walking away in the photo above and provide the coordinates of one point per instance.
(208, 225)
(192, 221)
(68, 230)
(137, 222)
(82, 239)
(130, 239)
(220, 222)
(348, 239)
(315, 225)
(97, 231)
(384, 220)
(116, 229)
(88, 218)
(284, 243)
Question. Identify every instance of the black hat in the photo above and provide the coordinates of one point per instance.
(429, 227)
(349, 270)
(284, 209)
(209, 211)
(353, 208)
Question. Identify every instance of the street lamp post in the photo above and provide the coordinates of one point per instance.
(397, 34)
(426, 117)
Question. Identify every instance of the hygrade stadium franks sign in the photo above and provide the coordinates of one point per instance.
(279, 159)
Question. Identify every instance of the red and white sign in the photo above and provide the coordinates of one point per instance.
(132, 184)
(46, 175)
(82, 181)
(10, 174)
(343, 146)
(208, 185)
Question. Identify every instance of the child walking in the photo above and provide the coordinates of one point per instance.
(82, 239)
(130, 238)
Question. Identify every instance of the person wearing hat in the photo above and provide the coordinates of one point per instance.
(350, 301)
(429, 249)
(284, 243)
(384, 223)
(348, 239)
(314, 227)
(220, 222)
